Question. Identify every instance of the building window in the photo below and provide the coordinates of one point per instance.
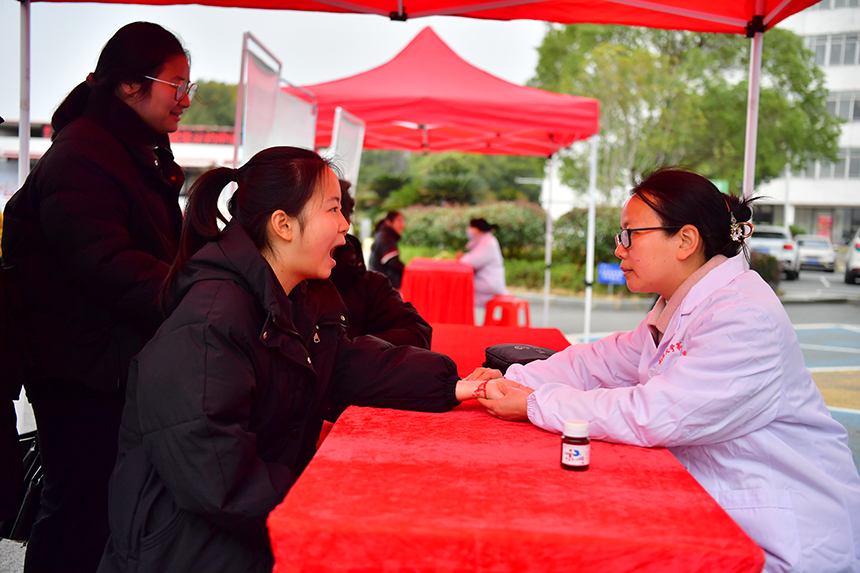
(818, 45)
(854, 164)
(843, 49)
(844, 104)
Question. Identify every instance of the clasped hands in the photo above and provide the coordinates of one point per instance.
(501, 397)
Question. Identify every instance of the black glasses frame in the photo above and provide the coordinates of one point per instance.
(624, 239)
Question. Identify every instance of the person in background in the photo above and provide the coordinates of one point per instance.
(714, 373)
(374, 306)
(88, 241)
(485, 256)
(225, 404)
(384, 255)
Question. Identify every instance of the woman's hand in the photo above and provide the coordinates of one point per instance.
(512, 405)
(471, 389)
(484, 374)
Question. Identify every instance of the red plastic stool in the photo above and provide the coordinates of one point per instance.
(504, 310)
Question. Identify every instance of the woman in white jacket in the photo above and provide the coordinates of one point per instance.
(485, 256)
(715, 374)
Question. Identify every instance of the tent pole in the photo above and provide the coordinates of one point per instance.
(551, 169)
(752, 111)
(24, 116)
(589, 245)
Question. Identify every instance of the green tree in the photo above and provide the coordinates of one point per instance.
(672, 97)
(214, 105)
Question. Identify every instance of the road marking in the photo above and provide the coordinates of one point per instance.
(829, 348)
(846, 410)
(834, 369)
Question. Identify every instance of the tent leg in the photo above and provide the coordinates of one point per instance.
(551, 172)
(24, 117)
(589, 245)
(752, 113)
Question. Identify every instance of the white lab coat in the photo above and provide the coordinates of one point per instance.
(485, 256)
(727, 392)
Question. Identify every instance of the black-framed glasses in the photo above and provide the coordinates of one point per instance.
(623, 238)
(182, 88)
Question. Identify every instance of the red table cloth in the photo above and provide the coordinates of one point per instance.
(462, 491)
(466, 345)
(441, 290)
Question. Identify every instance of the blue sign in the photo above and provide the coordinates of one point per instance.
(609, 274)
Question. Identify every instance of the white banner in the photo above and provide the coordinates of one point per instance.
(297, 122)
(262, 87)
(347, 141)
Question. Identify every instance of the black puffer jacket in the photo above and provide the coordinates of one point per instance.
(374, 306)
(385, 255)
(87, 242)
(225, 405)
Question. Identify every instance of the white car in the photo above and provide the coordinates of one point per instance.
(852, 260)
(778, 243)
(816, 252)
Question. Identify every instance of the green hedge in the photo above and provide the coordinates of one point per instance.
(767, 266)
(521, 226)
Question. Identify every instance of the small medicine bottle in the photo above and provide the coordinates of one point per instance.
(575, 446)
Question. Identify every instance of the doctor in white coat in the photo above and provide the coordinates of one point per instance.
(715, 374)
(484, 255)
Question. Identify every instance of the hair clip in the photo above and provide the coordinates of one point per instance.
(739, 231)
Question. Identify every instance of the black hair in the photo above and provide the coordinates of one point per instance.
(389, 217)
(347, 201)
(278, 178)
(136, 50)
(483, 226)
(681, 197)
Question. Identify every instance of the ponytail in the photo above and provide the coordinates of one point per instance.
(200, 224)
(71, 108)
(277, 178)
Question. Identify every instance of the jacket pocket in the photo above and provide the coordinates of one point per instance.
(767, 516)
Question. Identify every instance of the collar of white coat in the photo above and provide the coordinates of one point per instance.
(693, 290)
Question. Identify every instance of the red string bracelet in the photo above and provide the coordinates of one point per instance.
(482, 387)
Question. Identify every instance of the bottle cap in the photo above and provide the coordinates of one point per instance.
(576, 428)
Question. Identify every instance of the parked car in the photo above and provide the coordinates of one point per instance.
(852, 260)
(778, 243)
(816, 252)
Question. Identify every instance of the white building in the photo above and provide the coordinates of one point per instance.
(824, 198)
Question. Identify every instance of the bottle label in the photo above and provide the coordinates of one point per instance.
(575, 454)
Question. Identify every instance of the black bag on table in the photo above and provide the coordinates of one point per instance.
(501, 356)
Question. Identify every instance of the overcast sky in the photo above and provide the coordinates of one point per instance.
(313, 47)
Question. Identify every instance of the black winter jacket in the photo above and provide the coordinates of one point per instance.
(385, 256)
(374, 306)
(87, 243)
(225, 405)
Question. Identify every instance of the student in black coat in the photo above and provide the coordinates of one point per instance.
(225, 404)
(374, 306)
(87, 243)
(385, 253)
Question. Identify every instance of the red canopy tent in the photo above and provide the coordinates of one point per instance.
(750, 17)
(429, 99)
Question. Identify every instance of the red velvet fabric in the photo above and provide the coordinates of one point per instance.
(461, 491)
(441, 290)
(466, 345)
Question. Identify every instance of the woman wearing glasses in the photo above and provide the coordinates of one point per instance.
(714, 373)
(88, 241)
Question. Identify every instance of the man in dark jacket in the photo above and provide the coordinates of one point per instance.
(384, 254)
(374, 306)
